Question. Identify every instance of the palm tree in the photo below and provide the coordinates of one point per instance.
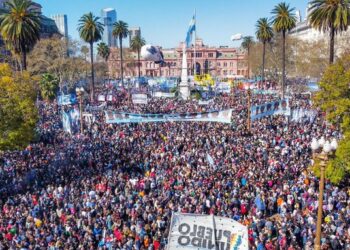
(247, 44)
(264, 34)
(283, 20)
(136, 44)
(332, 16)
(20, 26)
(120, 30)
(49, 86)
(103, 51)
(90, 30)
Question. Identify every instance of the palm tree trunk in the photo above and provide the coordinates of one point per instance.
(138, 62)
(283, 61)
(331, 45)
(263, 64)
(248, 63)
(24, 56)
(121, 58)
(92, 71)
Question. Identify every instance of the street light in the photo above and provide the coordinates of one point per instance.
(80, 92)
(321, 149)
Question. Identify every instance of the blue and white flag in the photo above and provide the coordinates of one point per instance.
(66, 99)
(66, 122)
(210, 160)
(191, 29)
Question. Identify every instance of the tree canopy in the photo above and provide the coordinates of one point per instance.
(334, 99)
(103, 51)
(332, 16)
(50, 56)
(20, 26)
(49, 86)
(18, 114)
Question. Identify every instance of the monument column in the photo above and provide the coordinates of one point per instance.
(184, 87)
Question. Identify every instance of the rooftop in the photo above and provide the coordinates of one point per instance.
(108, 9)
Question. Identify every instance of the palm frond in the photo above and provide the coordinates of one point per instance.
(264, 31)
(283, 18)
(90, 28)
(330, 14)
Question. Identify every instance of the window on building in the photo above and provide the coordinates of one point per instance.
(218, 64)
(225, 72)
(231, 64)
(211, 55)
(225, 64)
(198, 54)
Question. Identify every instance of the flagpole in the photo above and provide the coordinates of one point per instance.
(195, 38)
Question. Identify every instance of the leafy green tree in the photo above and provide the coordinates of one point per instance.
(334, 94)
(311, 58)
(90, 30)
(283, 21)
(103, 51)
(18, 114)
(50, 56)
(136, 44)
(84, 50)
(247, 43)
(20, 27)
(49, 86)
(121, 31)
(264, 33)
(334, 99)
(332, 16)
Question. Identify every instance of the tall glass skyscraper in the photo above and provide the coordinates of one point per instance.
(109, 17)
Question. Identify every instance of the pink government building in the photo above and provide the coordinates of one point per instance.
(220, 61)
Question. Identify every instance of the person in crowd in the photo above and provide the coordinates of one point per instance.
(116, 186)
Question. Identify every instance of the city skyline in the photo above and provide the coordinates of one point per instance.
(167, 26)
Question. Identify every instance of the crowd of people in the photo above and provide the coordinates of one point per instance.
(116, 186)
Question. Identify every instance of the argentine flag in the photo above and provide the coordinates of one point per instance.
(191, 29)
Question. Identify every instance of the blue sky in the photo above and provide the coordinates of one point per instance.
(165, 22)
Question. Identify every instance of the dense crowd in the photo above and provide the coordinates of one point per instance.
(116, 186)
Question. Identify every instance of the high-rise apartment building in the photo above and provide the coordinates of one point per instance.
(62, 24)
(109, 17)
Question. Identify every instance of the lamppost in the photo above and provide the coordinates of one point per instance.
(80, 92)
(321, 150)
